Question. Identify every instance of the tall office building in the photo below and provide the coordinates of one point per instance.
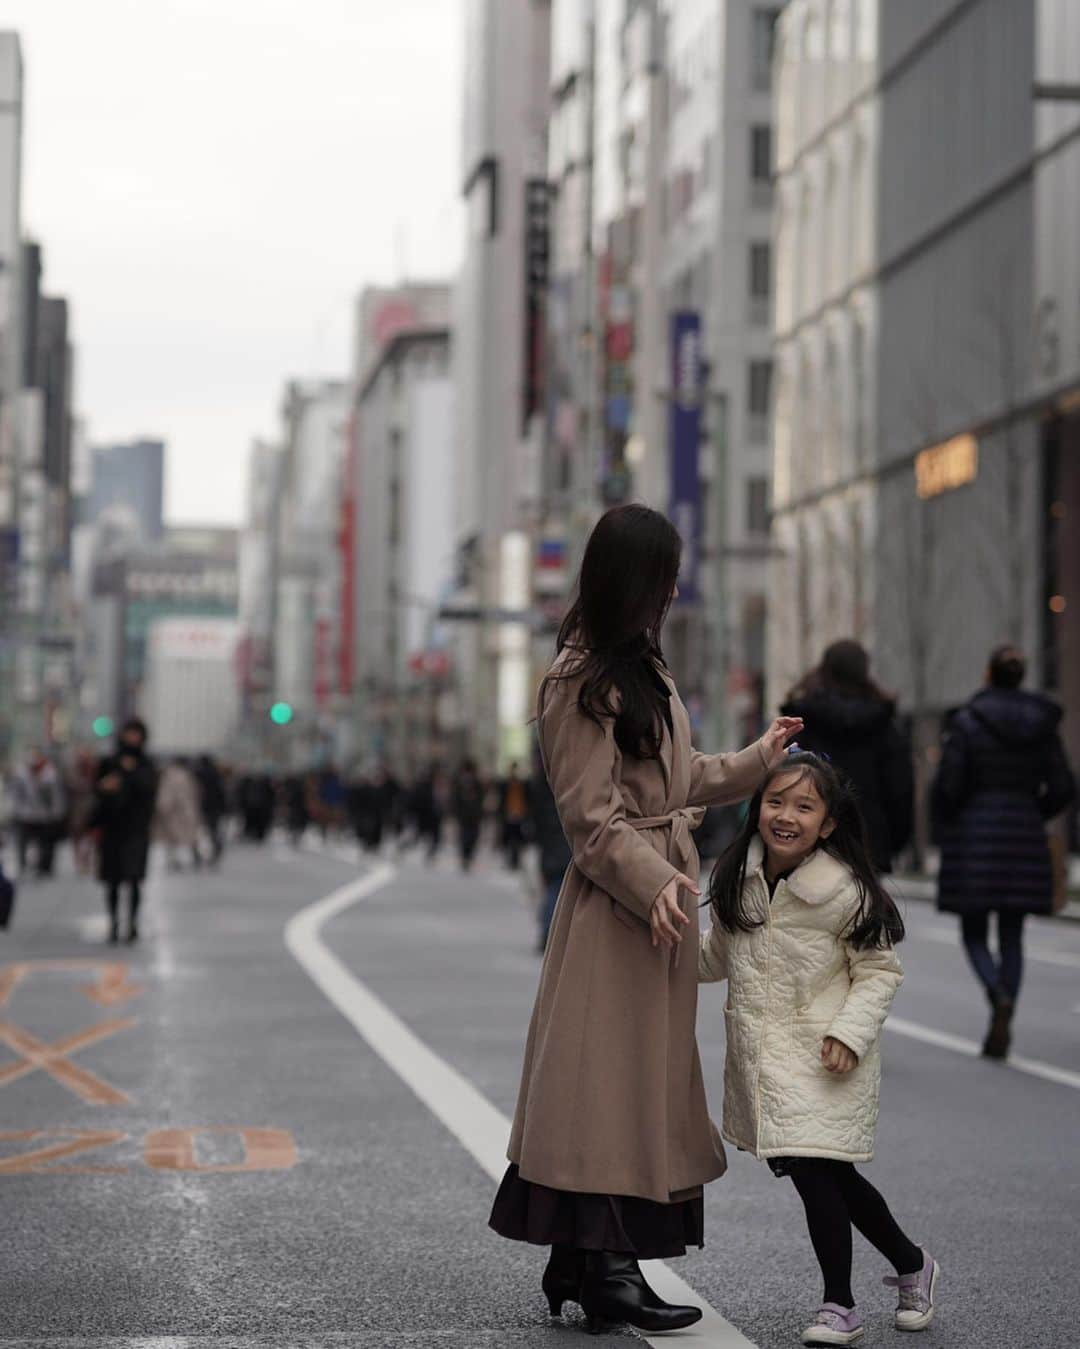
(131, 477)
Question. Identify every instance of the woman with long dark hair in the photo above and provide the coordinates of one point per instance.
(612, 1142)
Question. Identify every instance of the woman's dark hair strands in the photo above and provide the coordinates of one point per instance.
(628, 574)
(877, 922)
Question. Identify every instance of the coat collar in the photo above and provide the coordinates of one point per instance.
(817, 879)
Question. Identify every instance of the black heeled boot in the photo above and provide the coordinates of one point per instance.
(614, 1290)
(562, 1277)
(999, 1036)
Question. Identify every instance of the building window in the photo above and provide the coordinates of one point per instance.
(761, 154)
(759, 388)
(760, 280)
(757, 505)
(764, 43)
(761, 165)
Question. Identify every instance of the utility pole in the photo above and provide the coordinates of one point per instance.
(648, 412)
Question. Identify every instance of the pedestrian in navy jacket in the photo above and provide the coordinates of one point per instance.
(1003, 773)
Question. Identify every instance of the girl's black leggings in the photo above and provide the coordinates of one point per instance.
(112, 899)
(835, 1196)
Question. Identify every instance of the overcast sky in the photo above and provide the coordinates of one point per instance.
(213, 181)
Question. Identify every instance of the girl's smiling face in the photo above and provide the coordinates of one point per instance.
(793, 821)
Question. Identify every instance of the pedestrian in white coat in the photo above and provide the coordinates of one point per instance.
(803, 932)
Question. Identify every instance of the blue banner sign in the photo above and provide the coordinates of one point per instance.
(684, 441)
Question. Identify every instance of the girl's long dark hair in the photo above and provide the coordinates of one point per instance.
(877, 921)
(612, 631)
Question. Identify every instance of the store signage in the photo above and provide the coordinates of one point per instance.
(537, 209)
(684, 440)
(942, 468)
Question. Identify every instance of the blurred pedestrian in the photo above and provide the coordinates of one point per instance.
(1003, 774)
(365, 812)
(213, 803)
(255, 802)
(850, 721)
(467, 796)
(80, 795)
(177, 815)
(552, 848)
(126, 789)
(514, 813)
(426, 808)
(38, 810)
(294, 800)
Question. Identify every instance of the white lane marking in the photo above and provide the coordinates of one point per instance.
(479, 1127)
(1050, 1072)
(1042, 953)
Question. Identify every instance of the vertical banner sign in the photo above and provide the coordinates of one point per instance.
(537, 202)
(684, 437)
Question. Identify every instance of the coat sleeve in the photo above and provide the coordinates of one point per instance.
(721, 779)
(950, 789)
(1059, 786)
(897, 787)
(712, 956)
(582, 765)
(876, 974)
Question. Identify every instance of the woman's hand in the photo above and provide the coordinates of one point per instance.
(836, 1056)
(666, 915)
(777, 736)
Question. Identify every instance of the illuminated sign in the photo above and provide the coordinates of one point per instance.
(942, 468)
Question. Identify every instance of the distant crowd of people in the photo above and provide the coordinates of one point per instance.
(112, 808)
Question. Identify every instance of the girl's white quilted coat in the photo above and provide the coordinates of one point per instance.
(792, 982)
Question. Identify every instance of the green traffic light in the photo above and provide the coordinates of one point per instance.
(281, 714)
(102, 727)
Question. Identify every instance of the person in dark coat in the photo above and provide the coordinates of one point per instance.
(426, 808)
(554, 851)
(851, 722)
(214, 803)
(468, 796)
(1002, 774)
(515, 810)
(125, 793)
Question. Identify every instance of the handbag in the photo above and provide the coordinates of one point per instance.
(1059, 873)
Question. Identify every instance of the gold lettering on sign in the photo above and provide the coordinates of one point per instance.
(264, 1150)
(942, 468)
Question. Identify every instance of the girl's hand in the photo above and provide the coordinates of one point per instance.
(777, 736)
(836, 1056)
(666, 915)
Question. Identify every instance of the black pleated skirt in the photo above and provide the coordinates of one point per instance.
(524, 1211)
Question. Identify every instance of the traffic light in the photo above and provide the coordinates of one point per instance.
(102, 727)
(281, 714)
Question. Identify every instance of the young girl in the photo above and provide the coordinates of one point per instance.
(804, 933)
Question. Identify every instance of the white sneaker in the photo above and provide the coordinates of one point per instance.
(834, 1325)
(915, 1309)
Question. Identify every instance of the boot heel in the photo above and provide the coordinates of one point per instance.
(595, 1325)
(555, 1304)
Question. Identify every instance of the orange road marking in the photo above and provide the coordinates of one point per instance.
(264, 1150)
(74, 1141)
(52, 1059)
(110, 989)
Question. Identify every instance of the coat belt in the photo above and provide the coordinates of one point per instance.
(680, 822)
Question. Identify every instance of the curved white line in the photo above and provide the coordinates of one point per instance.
(479, 1127)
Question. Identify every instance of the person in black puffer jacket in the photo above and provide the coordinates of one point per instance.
(850, 721)
(1002, 774)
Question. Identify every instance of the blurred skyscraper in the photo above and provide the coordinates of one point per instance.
(130, 477)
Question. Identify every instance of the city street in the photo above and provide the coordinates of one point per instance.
(199, 1146)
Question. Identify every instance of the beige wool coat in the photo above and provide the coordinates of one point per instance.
(791, 982)
(612, 1099)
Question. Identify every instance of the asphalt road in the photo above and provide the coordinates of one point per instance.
(199, 1148)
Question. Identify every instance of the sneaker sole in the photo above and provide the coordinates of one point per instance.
(822, 1336)
(924, 1320)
